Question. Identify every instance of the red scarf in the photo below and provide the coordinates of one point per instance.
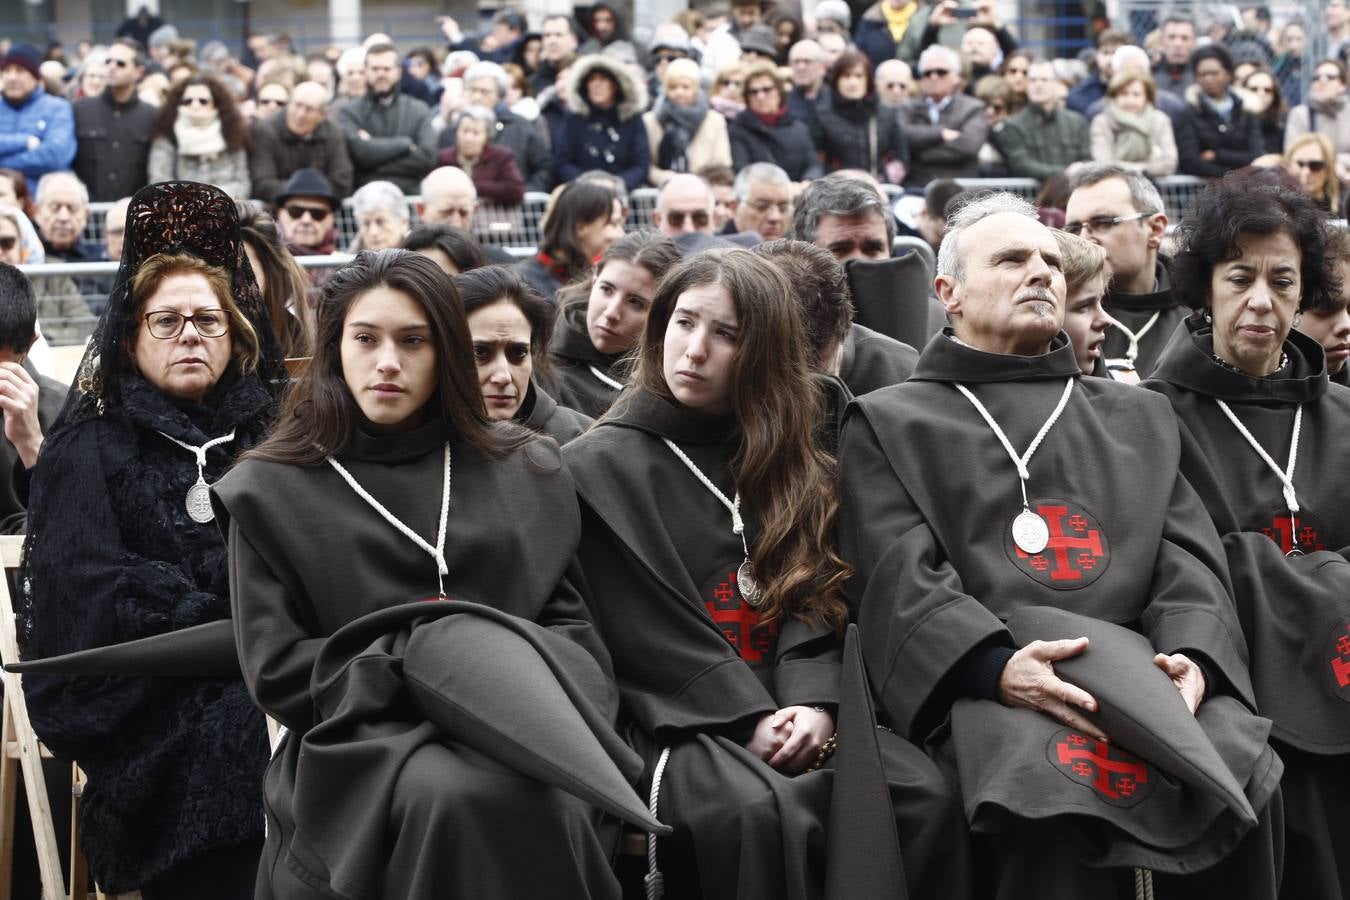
(556, 267)
(772, 119)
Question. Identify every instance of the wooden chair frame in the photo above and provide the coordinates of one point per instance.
(23, 752)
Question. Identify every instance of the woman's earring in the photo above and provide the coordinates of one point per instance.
(1298, 319)
(1208, 317)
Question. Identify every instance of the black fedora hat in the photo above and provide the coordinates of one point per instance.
(309, 183)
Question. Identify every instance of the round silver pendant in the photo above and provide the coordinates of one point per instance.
(1293, 553)
(1029, 532)
(199, 503)
(745, 580)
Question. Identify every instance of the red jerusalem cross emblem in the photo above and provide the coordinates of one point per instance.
(1303, 531)
(1338, 650)
(1075, 556)
(738, 621)
(1117, 777)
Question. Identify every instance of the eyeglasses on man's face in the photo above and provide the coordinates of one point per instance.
(1099, 224)
(317, 213)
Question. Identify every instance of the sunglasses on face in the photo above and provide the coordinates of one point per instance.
(935, 73)
(7, 243)
(298, 212)
(1312, 165)
(676, 219)
(195, 101)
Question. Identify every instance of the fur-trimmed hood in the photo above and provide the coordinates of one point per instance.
(632, 92)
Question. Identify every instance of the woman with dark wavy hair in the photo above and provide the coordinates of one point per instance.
(1264, 437)
(708, 508)
(511, 326)
(406, 491)
(200, 135)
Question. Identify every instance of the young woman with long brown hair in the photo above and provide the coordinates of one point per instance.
(708, 506)
(340, 525)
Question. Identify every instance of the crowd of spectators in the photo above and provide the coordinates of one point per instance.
(748, 102)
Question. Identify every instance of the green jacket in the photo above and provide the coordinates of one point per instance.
(1038, 145)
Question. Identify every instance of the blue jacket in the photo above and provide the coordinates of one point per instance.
(52, 121)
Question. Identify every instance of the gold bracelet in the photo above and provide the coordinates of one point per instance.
(826, 751)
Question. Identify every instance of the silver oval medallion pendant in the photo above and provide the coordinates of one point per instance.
(745, 580)
(199, 503)
(1029, 532)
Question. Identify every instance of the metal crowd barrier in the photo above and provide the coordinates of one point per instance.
(518, 229)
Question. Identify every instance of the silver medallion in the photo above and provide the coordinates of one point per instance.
(1029, 532)
(1293, 553)
(745, 580)
(199, 503)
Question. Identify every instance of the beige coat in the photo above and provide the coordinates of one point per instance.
(710, 145)
(1162, 161)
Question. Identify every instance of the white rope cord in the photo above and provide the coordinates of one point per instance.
(733, 506)
(437, 552)
(617, 385)
(1286, 475)
(1135, 336)
(1020, 461)
(1143, 884)
(200, 452)
(655, 882)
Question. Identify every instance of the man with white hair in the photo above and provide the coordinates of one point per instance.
(894, 80)
(763, 201)
(980, 501)
(62, 209)
(449, 198)
(485, 84)
(945, 127)
(807, 61)
(684, 206)
(299, 137)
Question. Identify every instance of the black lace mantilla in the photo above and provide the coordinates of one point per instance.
(172, 217)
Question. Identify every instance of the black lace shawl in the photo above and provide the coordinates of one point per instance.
(175, 765)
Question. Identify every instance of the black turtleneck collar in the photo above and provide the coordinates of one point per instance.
(1161, 298)
(1188, 362)
(571, 340)
(234, 400)
(396, 448)
(645, 411)
(946, 359)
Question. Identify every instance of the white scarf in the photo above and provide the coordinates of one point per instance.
(198, 136)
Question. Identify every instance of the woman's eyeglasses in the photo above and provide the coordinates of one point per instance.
(166, 325)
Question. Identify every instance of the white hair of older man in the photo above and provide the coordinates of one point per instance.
(949, 260)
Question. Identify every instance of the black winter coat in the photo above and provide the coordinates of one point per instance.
(787, 144)
(847, 128)
(1236, 141)
(113, 146)
(175, 766)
